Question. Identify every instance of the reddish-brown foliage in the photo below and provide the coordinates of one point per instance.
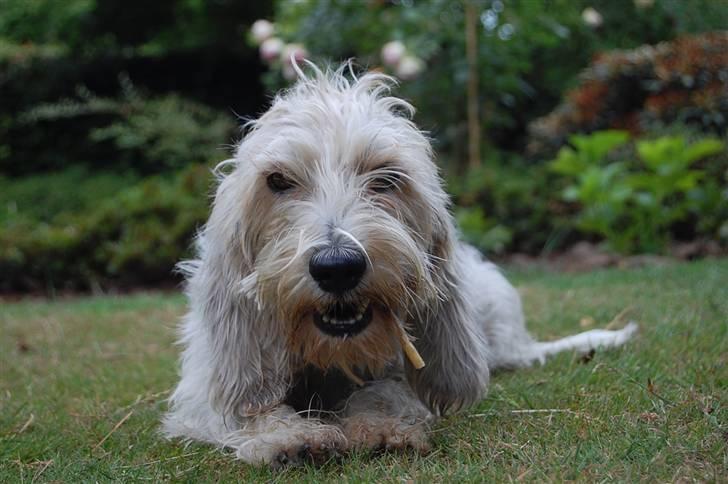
(683, 80)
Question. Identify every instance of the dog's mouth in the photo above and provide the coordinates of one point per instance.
(344, 319)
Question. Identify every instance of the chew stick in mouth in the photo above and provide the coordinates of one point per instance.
(409, 349)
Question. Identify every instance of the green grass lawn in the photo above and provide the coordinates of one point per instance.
(83, 383)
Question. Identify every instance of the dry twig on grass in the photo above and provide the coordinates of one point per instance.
(116, 427)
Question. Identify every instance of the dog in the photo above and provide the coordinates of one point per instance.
(329, 271)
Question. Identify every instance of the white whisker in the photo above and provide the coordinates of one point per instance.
(357, 243)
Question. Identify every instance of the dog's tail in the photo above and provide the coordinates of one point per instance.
(528, 353)
(585, 342)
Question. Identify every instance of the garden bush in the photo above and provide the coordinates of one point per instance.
(510, 205)
(635, 202)
(42, 197)
(681, 81)
(638, 195)
(175, 50)
(133, 238)
(145, 135)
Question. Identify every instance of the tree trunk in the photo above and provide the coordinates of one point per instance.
(471, 47)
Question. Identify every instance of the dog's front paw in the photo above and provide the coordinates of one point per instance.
(294, 445)
(317, 447)
(388, 434)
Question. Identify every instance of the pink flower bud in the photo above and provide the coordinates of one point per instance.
(392, 53)
(644, 3)
(262, 30)
(270, 49)
(592, 17)
(297, 52)
(409, 67)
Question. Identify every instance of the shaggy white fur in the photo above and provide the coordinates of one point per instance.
(329, 236)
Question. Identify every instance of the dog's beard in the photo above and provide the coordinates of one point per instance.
(358, 331)
(369, 350)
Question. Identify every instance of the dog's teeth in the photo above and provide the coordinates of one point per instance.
(326, 319)
(359, 316)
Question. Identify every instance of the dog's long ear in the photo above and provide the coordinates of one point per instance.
(246, 353)
(454, 349)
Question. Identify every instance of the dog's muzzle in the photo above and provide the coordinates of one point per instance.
(344, 319)
(337, 270)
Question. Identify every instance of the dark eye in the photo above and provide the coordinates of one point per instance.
(385, 181)
(278, 183)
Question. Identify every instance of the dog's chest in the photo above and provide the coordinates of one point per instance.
(315, 390)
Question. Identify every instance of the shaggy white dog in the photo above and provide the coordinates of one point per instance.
(329, 244)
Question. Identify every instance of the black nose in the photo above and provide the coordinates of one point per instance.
(337, 269)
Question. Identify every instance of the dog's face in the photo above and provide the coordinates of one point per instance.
(341, 219)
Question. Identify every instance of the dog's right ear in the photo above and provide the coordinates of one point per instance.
(249, 367)
(247, 356)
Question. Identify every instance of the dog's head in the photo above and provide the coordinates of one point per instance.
(343, 222)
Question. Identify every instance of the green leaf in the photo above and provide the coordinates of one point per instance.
(594, 147)
(661, 151)
(703, 148)
(571, 193)
(621, 192)
(645, 199)
(568, 163)
(688, 181)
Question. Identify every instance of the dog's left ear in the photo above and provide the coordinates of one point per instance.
(447, 335)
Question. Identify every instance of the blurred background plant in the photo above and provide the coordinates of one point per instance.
(601, 120)
(633, 203)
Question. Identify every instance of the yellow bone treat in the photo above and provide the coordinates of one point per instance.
(409, 349)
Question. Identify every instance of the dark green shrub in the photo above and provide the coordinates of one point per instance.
(482, 232)
(43, 197)
(510, 205)
(148, 135)
(133, 238)
(635, 204)
(529, 51)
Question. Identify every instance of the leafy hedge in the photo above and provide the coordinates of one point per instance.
(638, 195)
(133, 238)
(635, 199)
(43, 197)
(132, 132)
(681, 81)
(189, 56)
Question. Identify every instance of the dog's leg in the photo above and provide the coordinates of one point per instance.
(234, 380)
(279, 437)
(386, 415)
(283, 437)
